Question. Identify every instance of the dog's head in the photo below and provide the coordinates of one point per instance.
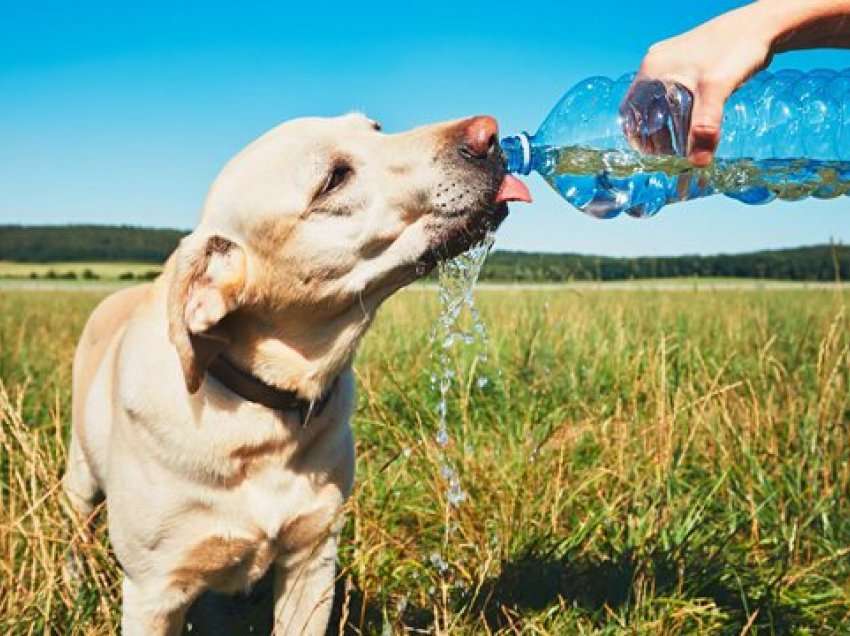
(322, 219)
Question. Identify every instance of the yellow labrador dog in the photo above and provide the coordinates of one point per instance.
(211, 407)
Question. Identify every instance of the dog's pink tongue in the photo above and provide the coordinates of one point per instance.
(512, 189)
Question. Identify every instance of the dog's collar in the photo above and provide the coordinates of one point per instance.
(253, 389)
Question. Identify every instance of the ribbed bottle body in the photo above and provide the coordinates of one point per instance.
(608, 150)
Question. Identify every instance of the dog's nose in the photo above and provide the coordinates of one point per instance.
(480, 138)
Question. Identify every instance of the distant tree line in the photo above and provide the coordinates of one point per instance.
(88, 274)
(814, 263)
(125, 243)
(51, 243)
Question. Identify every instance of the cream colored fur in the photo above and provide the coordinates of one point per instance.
(204, 490)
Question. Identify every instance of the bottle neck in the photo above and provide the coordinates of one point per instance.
(517, 152)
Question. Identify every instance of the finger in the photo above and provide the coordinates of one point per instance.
(705, 125)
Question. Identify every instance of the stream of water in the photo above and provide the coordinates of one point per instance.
(459, 326)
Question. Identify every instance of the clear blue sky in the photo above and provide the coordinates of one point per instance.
(124, 112)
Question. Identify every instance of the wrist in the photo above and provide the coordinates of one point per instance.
(773, 20)
(800, 24)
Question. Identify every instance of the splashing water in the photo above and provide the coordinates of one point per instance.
(457, 279)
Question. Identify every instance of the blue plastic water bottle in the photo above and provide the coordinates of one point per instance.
(784, 135)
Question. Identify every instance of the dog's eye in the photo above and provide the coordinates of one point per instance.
(337, 177)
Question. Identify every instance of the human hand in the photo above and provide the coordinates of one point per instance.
(711, 61)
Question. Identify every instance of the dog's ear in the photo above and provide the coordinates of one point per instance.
(207, 283)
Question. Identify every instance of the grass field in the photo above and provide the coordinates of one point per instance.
(103, 270)
(646, 463)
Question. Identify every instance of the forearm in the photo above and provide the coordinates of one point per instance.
(805, 24)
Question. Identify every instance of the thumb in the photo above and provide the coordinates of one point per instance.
(705, 125)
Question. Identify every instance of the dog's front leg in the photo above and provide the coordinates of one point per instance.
(303, 589)
(148, 612)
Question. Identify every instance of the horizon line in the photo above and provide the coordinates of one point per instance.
(832, 242)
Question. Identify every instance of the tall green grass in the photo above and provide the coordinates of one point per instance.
(640, 463)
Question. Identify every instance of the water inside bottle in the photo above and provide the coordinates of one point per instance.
(605, 183)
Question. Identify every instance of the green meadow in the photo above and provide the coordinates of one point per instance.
(105, 270)
(641, 462)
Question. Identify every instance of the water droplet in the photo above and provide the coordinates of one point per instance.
(438, 563)
(401, 605)
(455, 494)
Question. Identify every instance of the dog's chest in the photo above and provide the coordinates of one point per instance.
(283, 496)
(273, 502)
(280, 499)
(266, 520)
